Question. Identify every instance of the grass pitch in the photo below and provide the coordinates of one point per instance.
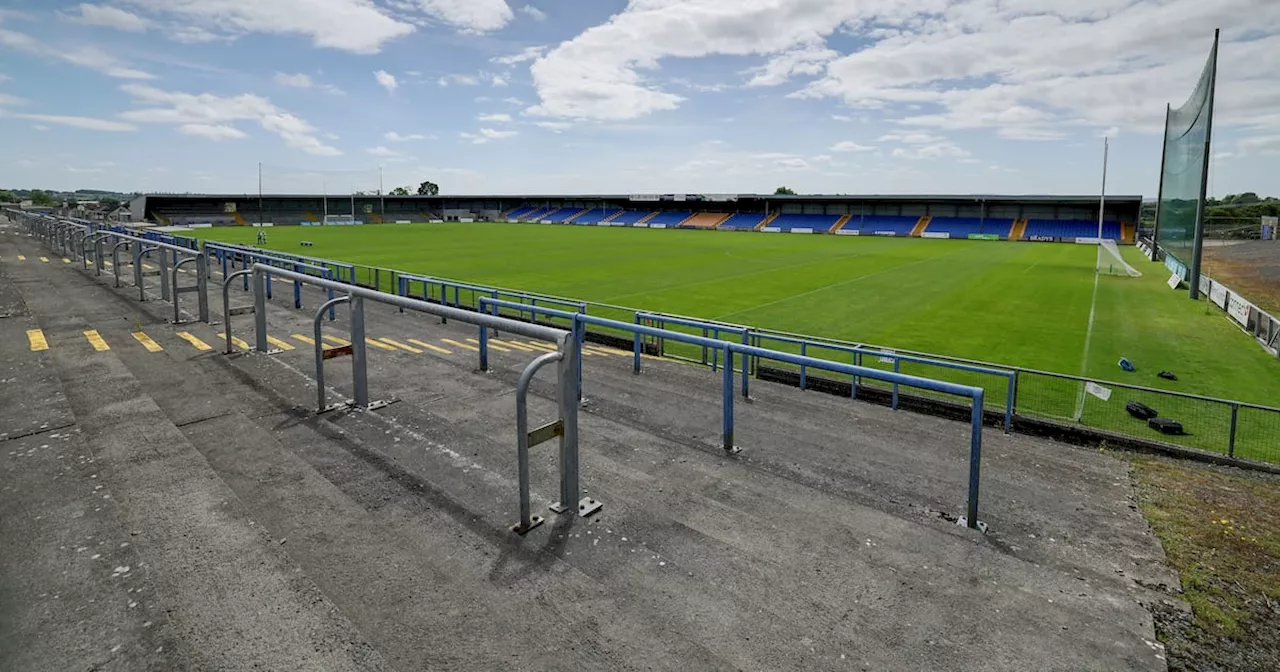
(1028, 305)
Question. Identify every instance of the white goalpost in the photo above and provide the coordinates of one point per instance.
(1109, 258)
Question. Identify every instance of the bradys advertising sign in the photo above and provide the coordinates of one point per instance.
(1042, 239)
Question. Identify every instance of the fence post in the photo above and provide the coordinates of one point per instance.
(1231, 442)
(746, 364)
(975, 459)
(202, 287)
(566, 392)
(897, 368)
(528, 521)
(359, 362)
(259, 311)
(727, 392)
(804, 352)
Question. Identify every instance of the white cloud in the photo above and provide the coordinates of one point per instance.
(495, 118)
(487, 134)
(4, 78)
(461, 80)
(85, 56)
(216, 132)
(498, 80)
(207, 109)
(556, 126)
(469, 16)
(807, 59)
(396, 137)
(1262, 144)
(598, 74)
(357, 26)
(386, 80)
(109, 17)
(841, 117)
(1026, 69)
(534, 13)
(86, 123)
(40, 127)
(851, 146)
(526, 54)
(382, 151)
(12, 100)
(513, 101)
(299, 80)
(939, 150)
(912, 138)
(302, 81)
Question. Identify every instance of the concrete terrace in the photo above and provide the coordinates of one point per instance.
(167, 507)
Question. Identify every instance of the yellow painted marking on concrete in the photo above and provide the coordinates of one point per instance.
(310, 341)
(195, 342)
(335, 340)
(428, 346)
(37, 340)
(96, 340)
(598, 351)
(377, 344)
(106, 263)
(234, 341)
(44, 260)
(509, 344)
(283, 345)
(149, 267)
(493, 345)
(402, 346)
(456, 344)
(541, 346)
(21, 257)
(66, 260)
(147, 342)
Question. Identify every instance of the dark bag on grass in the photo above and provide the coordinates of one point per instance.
(1167, 375)
(1165, 425)
(1140, 410)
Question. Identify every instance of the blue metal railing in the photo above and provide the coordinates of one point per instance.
(729, 349)
(228, 256)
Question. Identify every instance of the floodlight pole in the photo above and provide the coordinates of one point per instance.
(1102, 204)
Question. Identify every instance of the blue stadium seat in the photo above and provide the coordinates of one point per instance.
(670, 218)
(630, 217)
(898, 225)
(819, 223)
(1072, 228)
(745, 221)
(593, 216)
(560, 214)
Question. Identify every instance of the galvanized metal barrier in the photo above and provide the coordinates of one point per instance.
(566, 371)
(729, 349)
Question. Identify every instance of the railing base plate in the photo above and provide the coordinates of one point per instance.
(586, 507)
(963, 521)
(534, 521)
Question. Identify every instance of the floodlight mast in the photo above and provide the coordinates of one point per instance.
(1102, 203)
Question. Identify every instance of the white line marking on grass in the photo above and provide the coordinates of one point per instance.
(839, 284)
(1084, 360)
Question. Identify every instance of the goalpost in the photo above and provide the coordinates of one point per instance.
(1109, 260)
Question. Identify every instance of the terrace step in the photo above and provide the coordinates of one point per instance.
(646, 218)
(1019, 230)
(840, 223)
(767, 221)
(201, 571)
(921, 226)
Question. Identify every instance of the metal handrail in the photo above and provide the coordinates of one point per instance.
(567, 374)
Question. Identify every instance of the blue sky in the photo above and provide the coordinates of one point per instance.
(587, 96)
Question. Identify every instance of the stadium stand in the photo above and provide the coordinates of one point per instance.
(921, 226)
(1048, 228)
(743, 221)
(884, 225)
(705, 220)
(516, 214)
(628, 217)
(963, 227)
(816, 223)
(560, 215)
(592, 216)
(537, 214)
(670, 218)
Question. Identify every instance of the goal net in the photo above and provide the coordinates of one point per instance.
(1111, 263)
